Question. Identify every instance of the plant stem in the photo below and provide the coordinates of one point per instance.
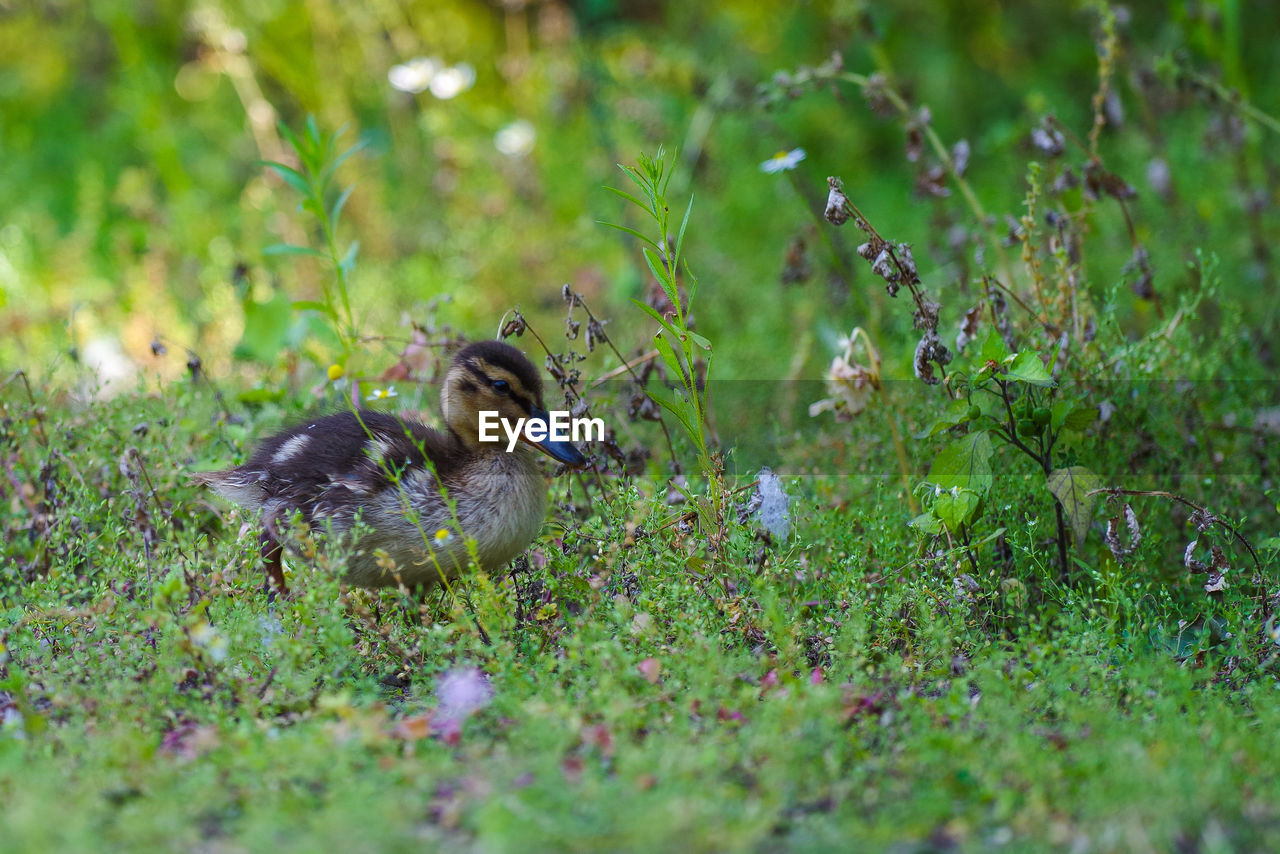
(944, 157)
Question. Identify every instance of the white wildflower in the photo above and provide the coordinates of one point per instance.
(452, 81)
(850, 383)
(415, 75)
(516, 139)
(783, 161)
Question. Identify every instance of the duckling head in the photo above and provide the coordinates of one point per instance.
(494, 377)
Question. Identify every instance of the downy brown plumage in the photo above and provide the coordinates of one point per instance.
(388, 470)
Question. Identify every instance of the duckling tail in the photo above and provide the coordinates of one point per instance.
(243, 486)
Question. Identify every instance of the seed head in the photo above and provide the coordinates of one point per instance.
(837, 212)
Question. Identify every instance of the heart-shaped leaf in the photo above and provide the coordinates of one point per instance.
(1071, 486)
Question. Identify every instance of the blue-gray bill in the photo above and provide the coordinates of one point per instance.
(564, 452)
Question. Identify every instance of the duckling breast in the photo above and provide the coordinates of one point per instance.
(502, 503)
(498, 501)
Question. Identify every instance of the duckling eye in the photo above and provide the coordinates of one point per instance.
(501, 386)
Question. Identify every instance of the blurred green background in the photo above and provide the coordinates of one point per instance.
(133, 201)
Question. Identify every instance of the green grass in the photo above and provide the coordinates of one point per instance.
(841, 694)
(663, 674)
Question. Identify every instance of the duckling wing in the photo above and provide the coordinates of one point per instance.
(333, 464)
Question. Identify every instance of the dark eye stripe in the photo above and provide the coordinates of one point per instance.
(476, 372)
(514, 388)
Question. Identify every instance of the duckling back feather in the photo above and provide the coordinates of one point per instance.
(387, 472)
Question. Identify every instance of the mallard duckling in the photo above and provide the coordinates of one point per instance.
(387, 471)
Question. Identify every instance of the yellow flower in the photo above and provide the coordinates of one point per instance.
(336, 371)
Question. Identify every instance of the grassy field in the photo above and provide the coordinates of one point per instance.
(1013, 585)
(837, 689)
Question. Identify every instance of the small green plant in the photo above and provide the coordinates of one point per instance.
(318, 162)
(1007, 400)
(1035, 383)
(685, 353)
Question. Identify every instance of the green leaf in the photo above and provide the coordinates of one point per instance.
(661, 170)
(671, 398)
(628, 230)
(288, 134)
(704, 343)
(663, 276)
(993, 348)
(637, 179)
(291, 176)
(679, 408)
(359, 146)
(324, 154)
(313, 129)
(927, 522)
(261, 395)
(317, 334)
(957, 413)
(683, 225)
(1058, 413)
(290, 249)
(348, 262)
(630, 198)
(266, 328)
(335, 213)
(1191, 637)
(1071, 486)
(690, 283)
(989, 538)
(668, 354)
(1073, 415)
(706, 513)
(964, 464)
(957, 508)
(312, 305)
(1027, 368)
(652, 312)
